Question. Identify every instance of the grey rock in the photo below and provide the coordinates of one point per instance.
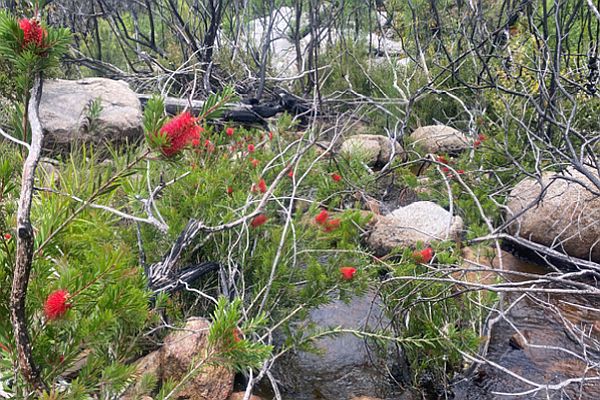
(64, 114)
(373, 149)
(439, 139)
(566, 217)
(422, 221)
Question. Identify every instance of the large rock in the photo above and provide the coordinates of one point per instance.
(439, 139)
(346, 365)
(181, 352)
(65, 113)
(373, 149)
(422, 221)
(277, 29)
(566, 217)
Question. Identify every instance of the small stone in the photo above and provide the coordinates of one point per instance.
(519, 341)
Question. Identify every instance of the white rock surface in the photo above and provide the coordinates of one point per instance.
(422, 221)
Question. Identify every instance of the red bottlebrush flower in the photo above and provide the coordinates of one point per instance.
(180, 131)
(251, 148)
(254, 162)
(229, 131)
(445, 170)
(476, 143)
(336, 177)
(56, 304)
(259, 220)
(423, 256)
(347, 273)
(262, 186)
(460, 171)
(229, 190)
(33, 33)
(196, 142)
(322, 217)
(270, 135)
(332, 224)
(7, 236)
(291, 173)
(481, 137)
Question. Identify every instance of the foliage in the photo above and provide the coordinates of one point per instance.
(30, 58)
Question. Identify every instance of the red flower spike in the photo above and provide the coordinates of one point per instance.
(332, 224)
(291, 173)
(229, 131)
(229, 190)
(7, 236)
(56, 304)
(476, 143)
(254, 162)
(196, 142)
(259, 220)
(423, 256)
(270, 135)
(33, 33)
(347, 273)
(445, 169)
(481, 137)
(322, 217)
(336, 177)
(460, 171)
(180, 131)
(251, 148)
(262, 186)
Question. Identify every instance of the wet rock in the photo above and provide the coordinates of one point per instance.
(543, 338)
(240, 396)
(565, 218)
(372, 149)
(534, 343)
(486, 261)
(439, 139)
(66, 117)
(346, 365)
(422, 221)
(365, 398)
(181, 352)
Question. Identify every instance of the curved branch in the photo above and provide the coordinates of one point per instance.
(25, 241)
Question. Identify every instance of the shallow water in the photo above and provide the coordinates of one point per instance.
(548, 342)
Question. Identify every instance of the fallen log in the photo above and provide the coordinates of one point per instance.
(249, 111)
